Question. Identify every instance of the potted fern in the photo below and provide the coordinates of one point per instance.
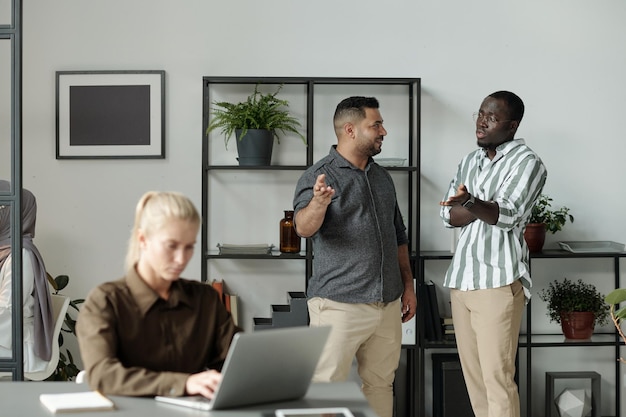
(544, 219)
(578, 306)
(255, 123)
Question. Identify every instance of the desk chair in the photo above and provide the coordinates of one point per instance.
(60, 304)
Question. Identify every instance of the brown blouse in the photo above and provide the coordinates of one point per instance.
(133, 342)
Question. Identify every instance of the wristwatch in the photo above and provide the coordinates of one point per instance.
(469, 202)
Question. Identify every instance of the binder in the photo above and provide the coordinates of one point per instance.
(424, 299)
(434, 311)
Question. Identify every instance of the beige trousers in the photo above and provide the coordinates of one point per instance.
(487, 324)
(371, 332)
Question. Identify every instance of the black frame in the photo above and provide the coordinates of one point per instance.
(595, 379)
(154, 113)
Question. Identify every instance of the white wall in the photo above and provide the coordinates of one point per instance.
(563, 57)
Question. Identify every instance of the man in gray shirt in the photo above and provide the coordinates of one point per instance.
(362, 284)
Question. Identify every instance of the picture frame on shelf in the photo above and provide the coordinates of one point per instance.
(594, 380)
(110, 114)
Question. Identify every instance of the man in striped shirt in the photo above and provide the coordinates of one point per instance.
(490, 199)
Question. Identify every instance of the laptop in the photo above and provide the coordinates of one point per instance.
(264, 366)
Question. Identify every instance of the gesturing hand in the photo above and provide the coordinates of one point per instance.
(459, 198)
(322, 192)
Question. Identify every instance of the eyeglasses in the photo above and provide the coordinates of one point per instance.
(489, 118)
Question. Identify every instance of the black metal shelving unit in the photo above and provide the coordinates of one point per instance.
(310, 83)
(528, 340)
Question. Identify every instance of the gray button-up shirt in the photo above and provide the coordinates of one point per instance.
(356, 248)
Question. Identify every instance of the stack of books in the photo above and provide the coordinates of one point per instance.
(231, 301)
(448, 328)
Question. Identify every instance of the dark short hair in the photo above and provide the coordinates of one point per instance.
(354, 107)
(514, 103)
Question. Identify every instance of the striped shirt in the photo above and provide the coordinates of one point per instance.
(492, 256)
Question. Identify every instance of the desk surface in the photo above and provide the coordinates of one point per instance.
(22, 399)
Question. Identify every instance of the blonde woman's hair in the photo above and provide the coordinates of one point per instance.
(154, 210)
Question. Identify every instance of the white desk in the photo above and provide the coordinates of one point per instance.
(21, 399)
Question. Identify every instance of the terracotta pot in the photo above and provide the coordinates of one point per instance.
(578, 324)
(535, 236)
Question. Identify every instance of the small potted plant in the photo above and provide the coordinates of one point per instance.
(255, 123)
(66, 369)
(542, 219)
(577, 306)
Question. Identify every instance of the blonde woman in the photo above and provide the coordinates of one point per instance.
(153, 332)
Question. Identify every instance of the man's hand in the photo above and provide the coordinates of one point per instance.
(310, 218)
(322, 193)
(203, 383)
(461, 196)
(486, 211)
(409, 305)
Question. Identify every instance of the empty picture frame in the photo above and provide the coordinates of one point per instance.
(110, 114)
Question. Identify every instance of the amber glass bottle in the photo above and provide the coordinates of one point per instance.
(289, 239)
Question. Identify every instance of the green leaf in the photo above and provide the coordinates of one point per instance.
(621, 313)
(616, 296)
(61, 281)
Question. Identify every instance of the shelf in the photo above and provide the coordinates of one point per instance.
(545, 254)
(287, 168)
(439, 344)
(258, 168)
(559, 253)
(539, 340)
(528, 340)
(428, 255)
(312, 80)
(557, 340)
